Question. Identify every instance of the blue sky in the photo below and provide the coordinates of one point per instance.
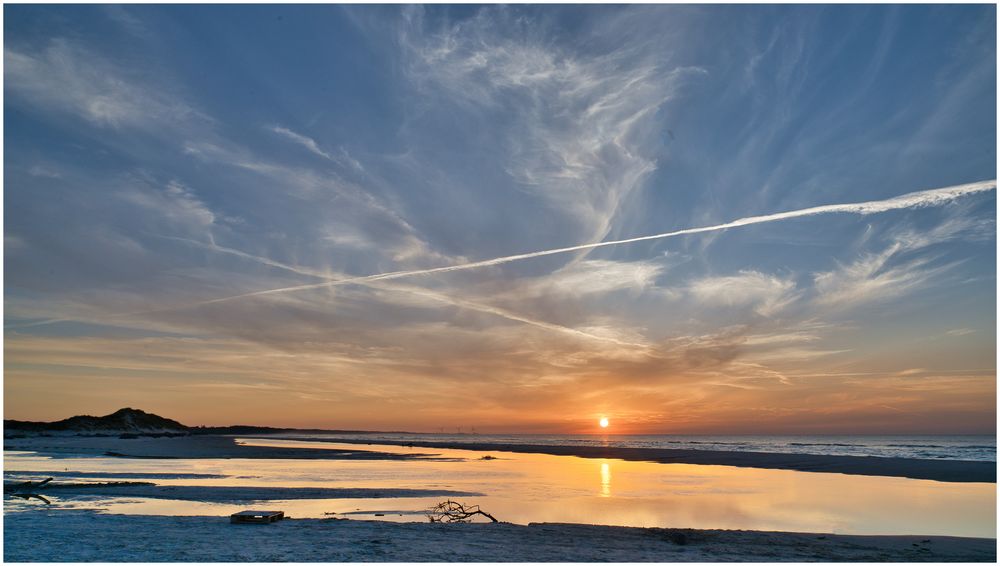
(158, 158)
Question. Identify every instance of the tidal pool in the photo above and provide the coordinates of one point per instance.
(525, 488)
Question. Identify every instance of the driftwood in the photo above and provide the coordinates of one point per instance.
(26, 490)
(28, 496)
(454, 512)
(30, 485)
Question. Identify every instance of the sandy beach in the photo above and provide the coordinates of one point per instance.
(196, 446)
(231, 494)
(940, 470)
(54, 536)
(488, 282)
(153, 499)
(211, 446)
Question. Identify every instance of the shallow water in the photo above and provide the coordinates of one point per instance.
(523, 488)
(927, 447)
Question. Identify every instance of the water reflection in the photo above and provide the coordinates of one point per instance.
(605, 479)
(523, 488)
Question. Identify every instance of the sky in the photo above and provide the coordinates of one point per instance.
(201, 203)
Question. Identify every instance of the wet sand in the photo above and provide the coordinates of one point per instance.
(60, 536)
(71, 529)
(939, 470)
(231, 494)
(211, 446)
(196, 446)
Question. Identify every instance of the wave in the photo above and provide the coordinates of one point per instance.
(959, 447)
(827, 444)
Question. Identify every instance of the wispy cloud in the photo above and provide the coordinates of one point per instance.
(920, 199)
(591, 277)
(576, 130)
(959, 331)
(67, 77)
(44, 171)
(390, 289)
(175, 202)
(341, 157)
(304, 141)
(886, 274)
(767, 294)
(426, 293)
(869, 279)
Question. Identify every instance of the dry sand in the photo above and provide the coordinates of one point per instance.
(60, 535)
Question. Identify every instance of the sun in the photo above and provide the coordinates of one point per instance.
(604, 422)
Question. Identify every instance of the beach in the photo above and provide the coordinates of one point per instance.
(149, 498)
(55, 536)
(212, 446)
(939, 470)
(631, 282)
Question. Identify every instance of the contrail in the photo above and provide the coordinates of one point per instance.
(213, 247)
(453, 301)
(919, 199)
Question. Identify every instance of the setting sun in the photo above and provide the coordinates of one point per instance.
(388, 266)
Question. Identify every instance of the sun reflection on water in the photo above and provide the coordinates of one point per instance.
(605, 479)
(524, 488)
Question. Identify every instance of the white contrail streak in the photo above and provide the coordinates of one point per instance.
(453, 301)
(212, 247)
(919, 199)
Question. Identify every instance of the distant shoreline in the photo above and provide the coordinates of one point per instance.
(937, 470)
(225, 446)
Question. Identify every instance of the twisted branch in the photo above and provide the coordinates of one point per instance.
(454, 512)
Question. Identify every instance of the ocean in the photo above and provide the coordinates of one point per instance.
(955, 447)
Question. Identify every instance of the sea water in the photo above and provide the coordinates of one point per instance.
(525, 488)
(970, 447)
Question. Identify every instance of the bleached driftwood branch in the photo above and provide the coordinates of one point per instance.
(454, 512)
